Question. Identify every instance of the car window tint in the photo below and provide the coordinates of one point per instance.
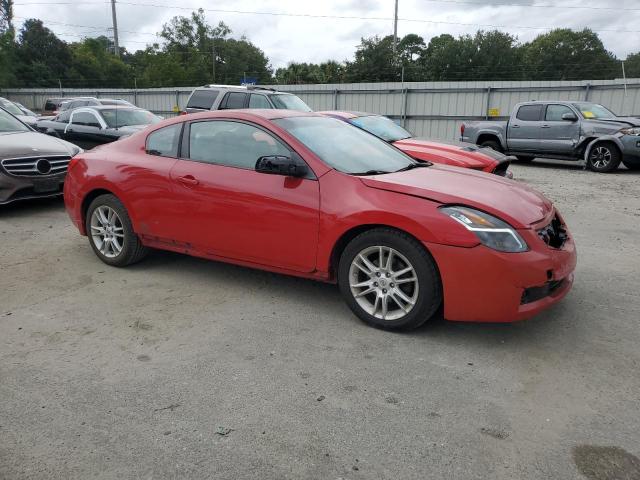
(231, 143)
(529, 113)
(234, 100)
(258, 101)
(203, 99)
(164, 142)
(86, 119)
(64, 117)
(554, 112)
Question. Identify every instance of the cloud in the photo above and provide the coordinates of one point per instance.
(309, 39)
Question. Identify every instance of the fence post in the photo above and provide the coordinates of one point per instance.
(135, 97)
(33, 100)
(335, 99)
(405, 98)
(177, 99)
(486, 107)
(587, 87)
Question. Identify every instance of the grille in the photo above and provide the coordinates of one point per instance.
(554, 234)
(36, 166)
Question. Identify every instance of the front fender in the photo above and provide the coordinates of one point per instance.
(604, 138)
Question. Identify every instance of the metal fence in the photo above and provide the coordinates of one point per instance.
(428, 109)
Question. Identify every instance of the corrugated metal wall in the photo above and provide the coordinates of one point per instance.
(429, 109)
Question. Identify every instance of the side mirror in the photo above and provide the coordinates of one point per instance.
(281, 165)
(569, 117)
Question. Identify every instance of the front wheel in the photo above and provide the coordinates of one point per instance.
(604, 157)
(111, 233)
(492, 144)
(389, 280)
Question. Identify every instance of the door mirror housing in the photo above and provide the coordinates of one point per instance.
(281, 165)
(569, 117)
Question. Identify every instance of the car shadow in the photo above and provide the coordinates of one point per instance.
(31, 206)
(567, 165)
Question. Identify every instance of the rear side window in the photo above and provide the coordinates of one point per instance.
(64, 117)
(86, 119)
(233, 100)
(51, 104)
(203, 99)
(555, 112)
(164, 142)
(529, 113)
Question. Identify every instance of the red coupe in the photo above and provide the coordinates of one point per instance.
(458, 154)
(307, 195)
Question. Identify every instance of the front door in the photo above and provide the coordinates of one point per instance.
(230, 210)
(558, 135)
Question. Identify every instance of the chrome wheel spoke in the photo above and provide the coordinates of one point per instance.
(376, 287)
(107, 231)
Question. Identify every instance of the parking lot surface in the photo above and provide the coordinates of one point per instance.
(181, 368)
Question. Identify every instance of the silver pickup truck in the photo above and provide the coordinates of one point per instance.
(562, 130)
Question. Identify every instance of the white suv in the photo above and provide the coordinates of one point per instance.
(225, 97)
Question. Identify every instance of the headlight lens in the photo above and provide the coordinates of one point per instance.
(635, 131)
(491, 231)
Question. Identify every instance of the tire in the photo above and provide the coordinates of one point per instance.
(107, 210)
(631, 166)
(525, 159)
(493, 144)
(367, 289)
(604, 157)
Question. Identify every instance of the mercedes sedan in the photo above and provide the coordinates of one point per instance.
(307, 195)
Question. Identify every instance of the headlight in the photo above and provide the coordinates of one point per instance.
(635, 131)
(491, 231)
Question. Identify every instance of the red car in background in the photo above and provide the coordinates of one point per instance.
(307, 195)
(458, 154)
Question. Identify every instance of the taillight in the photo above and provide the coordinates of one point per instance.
(72, 163)
(183, 113)
(462, 130)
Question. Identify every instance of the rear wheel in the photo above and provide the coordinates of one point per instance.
(389, 280)
(493, 144)
(111, 233)
(604, 157)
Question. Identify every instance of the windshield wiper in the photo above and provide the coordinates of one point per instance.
(370, 172)
(411, 166)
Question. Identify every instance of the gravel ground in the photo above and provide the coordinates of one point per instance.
(184, 368)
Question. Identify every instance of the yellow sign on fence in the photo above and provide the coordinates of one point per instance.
(494, 112)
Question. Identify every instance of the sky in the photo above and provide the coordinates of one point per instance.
(314, 31)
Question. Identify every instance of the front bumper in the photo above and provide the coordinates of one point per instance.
(484, 285)
(14, 188)
(630, 149)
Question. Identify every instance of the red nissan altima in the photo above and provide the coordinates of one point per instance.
(307, 195)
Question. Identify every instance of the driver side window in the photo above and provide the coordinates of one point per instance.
(233, 144)
(86, 119)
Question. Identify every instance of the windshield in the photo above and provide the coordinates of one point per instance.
(117, 118)
(381, 127)
(595, 111)
(285, 101)
(10, 107)
(344, 147)
(11, 124)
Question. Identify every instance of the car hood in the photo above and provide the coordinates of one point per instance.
(512, 201)
(21, 144)
(460, 154)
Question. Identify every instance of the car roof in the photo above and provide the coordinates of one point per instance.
(109, 107)
(243, 88)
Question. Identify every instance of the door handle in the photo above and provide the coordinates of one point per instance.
(546, 126)
(188, 180)
(515, 126)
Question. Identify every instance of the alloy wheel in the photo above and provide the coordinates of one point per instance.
(383, 282)
(107, 232)
(601, 157)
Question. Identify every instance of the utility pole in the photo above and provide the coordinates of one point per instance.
(116, 46)
(624, 79)
(395, 30)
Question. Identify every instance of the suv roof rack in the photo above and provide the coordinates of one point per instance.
(256, 87)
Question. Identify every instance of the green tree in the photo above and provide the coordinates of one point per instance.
(7, 60)
(563, 54)
(496, 55)
(632, 66)
(93, 65)
(448, 58)
(6, 16)
(44, 58)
